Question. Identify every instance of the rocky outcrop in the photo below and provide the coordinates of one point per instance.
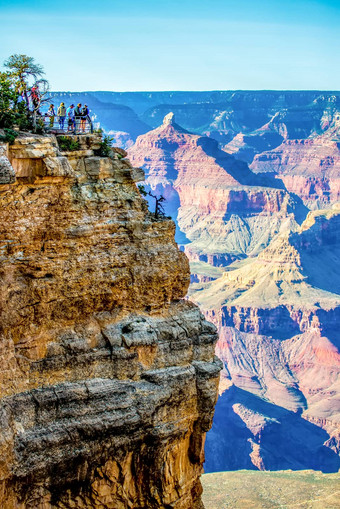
(223, 211)
(108, 377)
(278, 318)
(309, 168)
(246, 146)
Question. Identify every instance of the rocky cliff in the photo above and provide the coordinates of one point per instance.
(108, 377)
(278, 318)
(265, 271)
(223, 210)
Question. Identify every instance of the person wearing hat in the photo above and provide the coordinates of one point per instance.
(62, 115)
(70, 118)
(84, 115)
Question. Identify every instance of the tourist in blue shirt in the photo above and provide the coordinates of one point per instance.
(70, 118)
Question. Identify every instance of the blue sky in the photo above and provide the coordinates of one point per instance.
(178, 44)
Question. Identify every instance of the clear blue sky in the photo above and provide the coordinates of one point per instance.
(126, 45)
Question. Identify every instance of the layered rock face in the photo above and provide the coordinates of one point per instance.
(246, 146)
(309, 164)
(108, 378)
(266, 274)
(278, 317)
(309, 168)
(224, 114)
(222, 209)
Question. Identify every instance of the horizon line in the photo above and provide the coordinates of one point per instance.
(201, 91)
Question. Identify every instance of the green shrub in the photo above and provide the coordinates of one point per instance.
(67, 144)
(105, 147)
(9, 136)
(142, 190)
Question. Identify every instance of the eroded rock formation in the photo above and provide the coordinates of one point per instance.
(108, 377)
(223, 210)
(278, 317)
(309, 168)
(265, 271)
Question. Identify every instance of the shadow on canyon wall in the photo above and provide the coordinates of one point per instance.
(288, 441)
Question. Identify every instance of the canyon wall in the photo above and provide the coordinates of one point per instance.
(263, 118)
(108, 377)
(278, 317)
(265, 271)
(223, 211)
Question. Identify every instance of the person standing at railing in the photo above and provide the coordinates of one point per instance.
(77, 116)
(51, 114)
(84, 116)
(62, 115)
(70, 118)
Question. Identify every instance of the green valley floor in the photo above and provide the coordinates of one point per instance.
(246, 489)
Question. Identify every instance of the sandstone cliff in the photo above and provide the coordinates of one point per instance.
(266, 274)
(278, 318)
(108, 378)
(223, 211)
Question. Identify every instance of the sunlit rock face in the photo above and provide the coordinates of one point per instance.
(223, 210)
(265, 271)
(108, 377)
(309, 168)
(278, 316)
(300, 146)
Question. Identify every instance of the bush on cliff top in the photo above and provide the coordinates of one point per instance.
(12, 113)
(8, 136)
(18, 106)
(67, 144)
(105, 147)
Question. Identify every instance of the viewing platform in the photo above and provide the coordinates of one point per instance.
(57, 126)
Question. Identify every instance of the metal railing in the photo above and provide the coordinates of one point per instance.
(59, 125)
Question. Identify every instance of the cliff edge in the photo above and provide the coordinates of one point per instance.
(108, 378)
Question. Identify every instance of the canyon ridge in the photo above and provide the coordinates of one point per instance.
(261, 230)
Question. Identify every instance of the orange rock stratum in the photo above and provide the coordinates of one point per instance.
(108, 378)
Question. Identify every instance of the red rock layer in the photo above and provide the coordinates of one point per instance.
(310, 168)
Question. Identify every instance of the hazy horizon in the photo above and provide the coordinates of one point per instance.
(196, 91)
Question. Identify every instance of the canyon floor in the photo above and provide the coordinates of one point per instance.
(246, 489)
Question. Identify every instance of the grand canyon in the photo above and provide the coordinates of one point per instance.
(259, 219)
(108, 376)
(110, 371)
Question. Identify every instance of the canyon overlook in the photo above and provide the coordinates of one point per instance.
(108, 377)
(264, 257)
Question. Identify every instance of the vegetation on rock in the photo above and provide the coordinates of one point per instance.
(68, 144)
(22, 73)
(8, 136)
(105, 149)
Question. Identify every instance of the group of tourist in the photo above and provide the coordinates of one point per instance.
(76, 116)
